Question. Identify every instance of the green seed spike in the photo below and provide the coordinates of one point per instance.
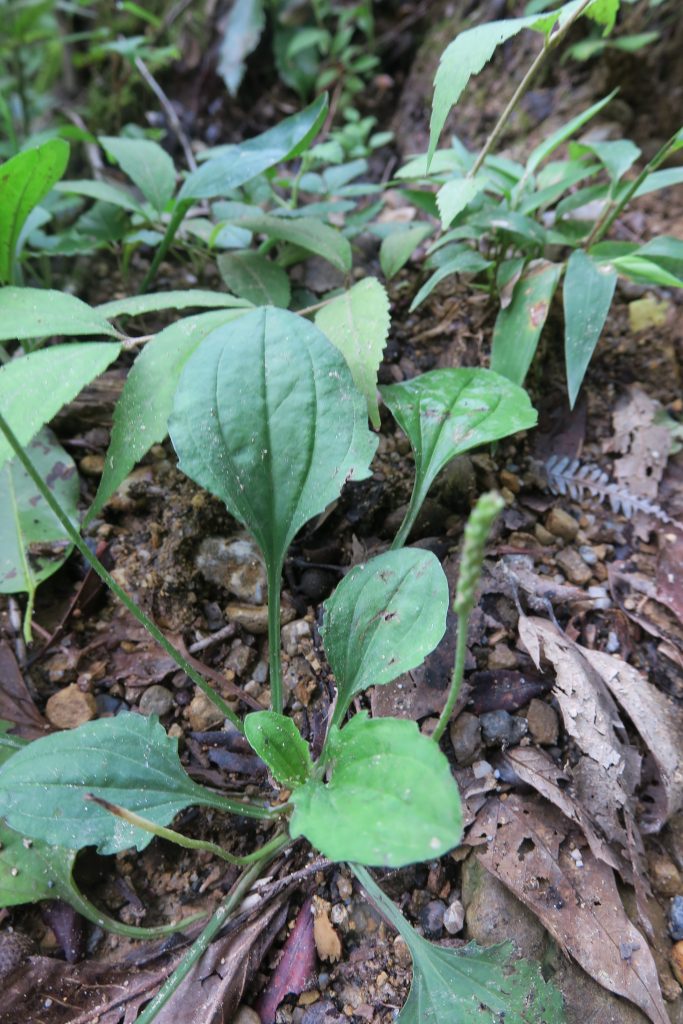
(476, 534)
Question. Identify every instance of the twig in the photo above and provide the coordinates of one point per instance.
(168, 109)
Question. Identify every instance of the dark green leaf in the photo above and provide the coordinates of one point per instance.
(383, 619)
(255, 278)
(391, 799)
(309, 234)
(466, 261)
(102, 191)
(278, 742)
(587, 297)
(519, 327)
(243, 28)
(267, 417)
(41, 312)
(138, 305)
(147, 165)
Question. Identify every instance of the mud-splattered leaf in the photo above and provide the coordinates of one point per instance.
(587, 296)
(278, 742)
(357, 323)
(391, 799)
(382, 620)
(519, 326)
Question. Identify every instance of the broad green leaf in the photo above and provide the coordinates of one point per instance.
(128, 760)
(660, 179)
(103, 192)
(278, 742)
(267, 418)
(33, 543)
(471, 984)
(467, 261)
(397, 248)
(454, 196)
(286, 140)
(447, 412)
(565, 131)
(24, 181)
(587, 297)
(141, 413)
(243, 28)
(617, 156)
(357, 323)
(255, 278)
(383, 619)
(391, 799)
(310, 234)
(42, 312)
(33, 388)
(518, 328)
(147, 165)
(137, 305)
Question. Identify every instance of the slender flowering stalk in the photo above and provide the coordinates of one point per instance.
(477, 532)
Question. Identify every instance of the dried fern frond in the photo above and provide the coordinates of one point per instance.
(572, 477)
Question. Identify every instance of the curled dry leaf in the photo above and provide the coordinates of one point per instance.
(526, 845)
(295, 970)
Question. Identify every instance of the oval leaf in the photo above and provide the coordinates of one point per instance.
(397, 248)
(42, 312)
(255, 278)
(357, 322)
(310, 234)
(278, 742)
(383, 619)
(267, 417)
(391, 799)
(587, 297)
(147, 165)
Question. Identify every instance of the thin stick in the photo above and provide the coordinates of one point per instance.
(168, 109)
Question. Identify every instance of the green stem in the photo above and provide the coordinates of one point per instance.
(549, 45)
(420, 490)
(123, 597)
(456, 678)
(239, 891)
(89, 911)
(386, 907)
(177, 217)
(274, 665)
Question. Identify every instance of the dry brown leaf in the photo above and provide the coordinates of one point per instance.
(525, 845)
(16, 703)
(327, 942)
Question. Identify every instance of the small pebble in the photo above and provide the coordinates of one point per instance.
(202, 713)
(70, 708)
(573, 566)
(677, 962)
(501, 729)
(588, 554)
(92, 465)
(543, 723)
(156, 700)
(236, 565)
(454, 918)
(613, 644)
(561, 524)
(431, 918)
(465, 736)
(480, 769)
(543, 536)
(664, 875)
(293, 633)
(502, 657)
(245, 1015)
(676, 918)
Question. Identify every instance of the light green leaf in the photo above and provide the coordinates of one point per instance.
(255, 278)
(243, 28)
(391, 799)
(267, 417)
(128, 760)
(221, 175)
(33, 388)
(454, 196)
(137, 305)
(383, 619)
(357, 323)
(102, 191)
(447, 412)
(24, 181)
(141, 413)
(665, 251)
(645, 271)
(397, 248)
(617, 156)
(471, 984)
(519, 326)
(587, 297)
(33, 543)
(147, 165)
(278, 742)
(467, 261)
(556, 138)
(310, 234)
(660, 179)
(42, 312)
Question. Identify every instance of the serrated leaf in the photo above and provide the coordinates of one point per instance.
(33, 543)
(141, 413)
(447, 412)
(587, 297)
(391, 799)
(255, 278)
(147, 165)
(383, 619)
(357, 323)
(310, 234)
(25, 179)
(243, 28)
(128, 760)
(518, 327)
(278, 742)
(34, 387)
(222, 174)
(267, 418)
(42, 312)
(397, 248)
(454, 196)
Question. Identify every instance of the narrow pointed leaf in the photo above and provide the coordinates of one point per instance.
(467, 261)
(310, 234)
(147, 165)
(278, 742)
(255, 278)
(357, 323)
(35, 387)
(556, 138)
(397, 248)
(103, 192)
(138, 305)
(383, 619)
(518, 327)
(267, 417)
(391, 799)
(587, 297)
(42, 312)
